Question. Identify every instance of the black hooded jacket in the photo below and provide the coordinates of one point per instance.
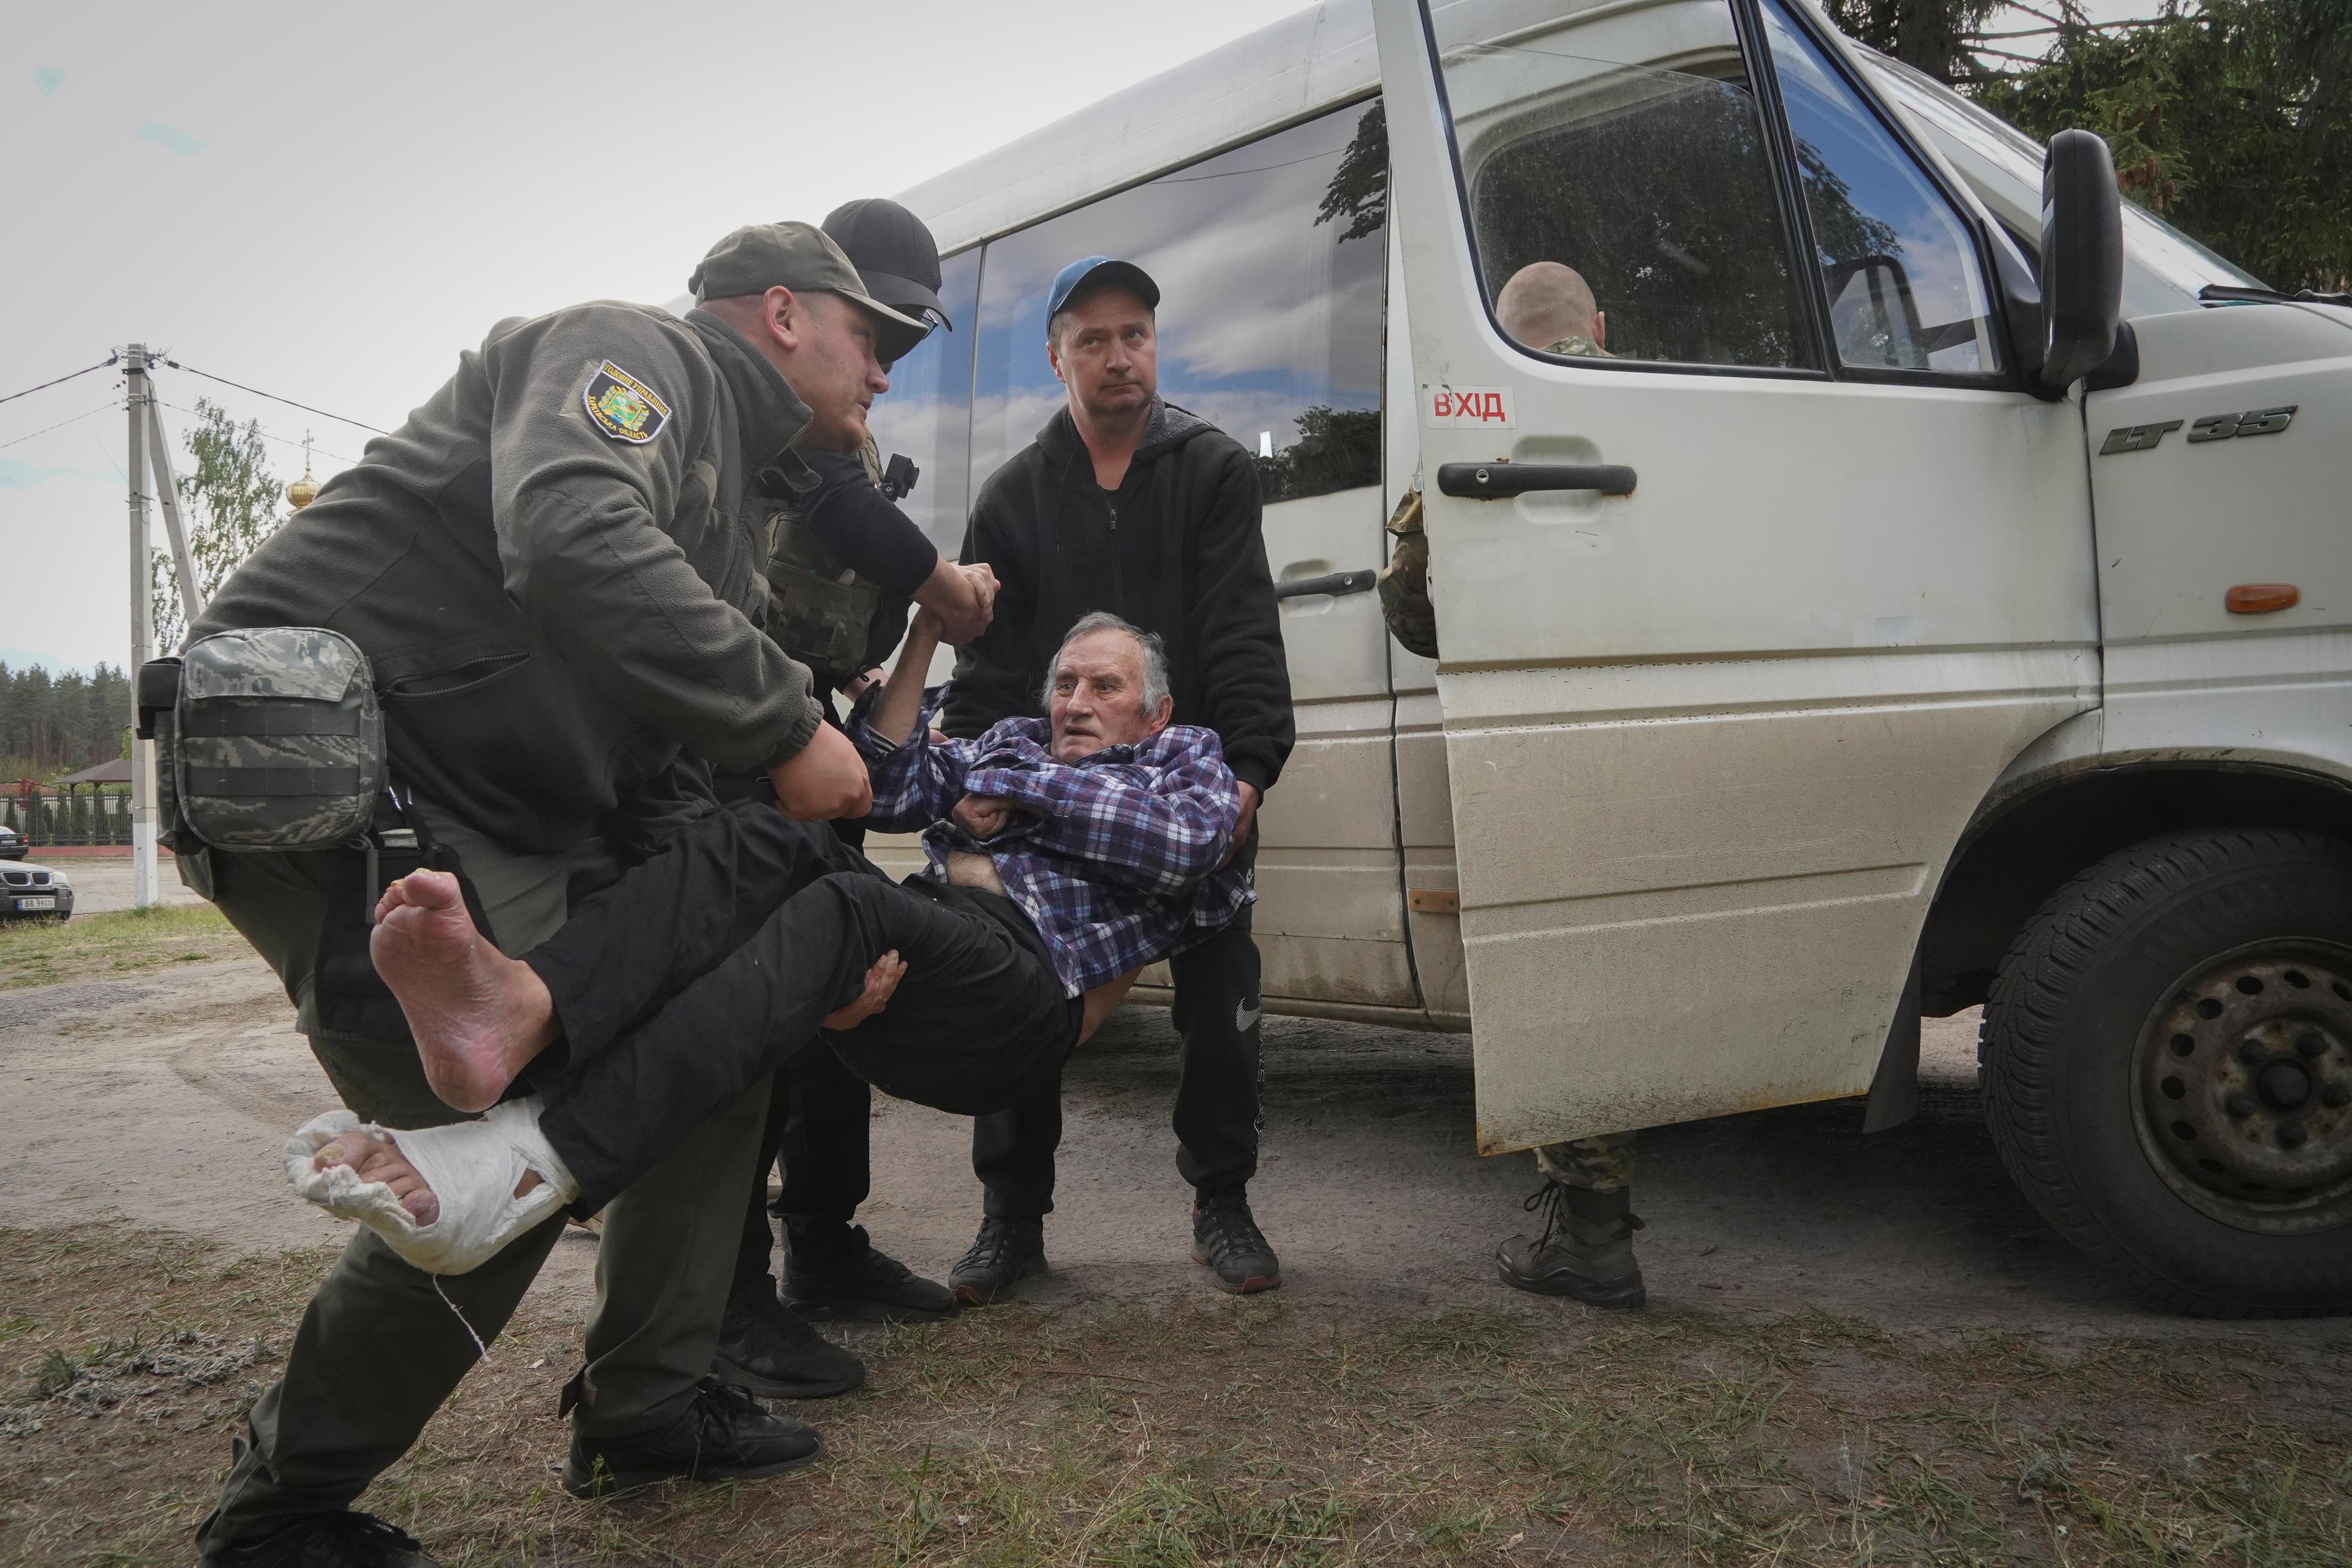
(1176, 550)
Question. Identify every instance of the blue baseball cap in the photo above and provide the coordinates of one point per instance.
(1092, 272)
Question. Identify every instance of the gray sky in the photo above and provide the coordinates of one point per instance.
(331, 202)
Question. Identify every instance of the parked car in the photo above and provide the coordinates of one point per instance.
(35, 892)
(12, 844)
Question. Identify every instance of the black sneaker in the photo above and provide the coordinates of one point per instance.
(1586, 1249)
(325, 1541)
(864, 1284)
(724, 1436)
(1005, 1252)
(1226, 1238)
(765, 1348)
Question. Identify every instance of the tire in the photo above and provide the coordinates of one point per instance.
(2167, 1062)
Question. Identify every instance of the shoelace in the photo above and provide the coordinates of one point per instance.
(317, 1540)
(1551, 1201)
(989, 1248)
(728, 1407)
(1233, 1230)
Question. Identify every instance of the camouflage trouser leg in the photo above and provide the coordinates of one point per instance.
(1602, 1164)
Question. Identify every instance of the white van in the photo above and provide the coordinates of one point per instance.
(1808, 663)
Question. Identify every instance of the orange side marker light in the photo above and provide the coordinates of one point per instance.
(2261, 598)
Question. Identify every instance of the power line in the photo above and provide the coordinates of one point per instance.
(61, 424)
(110, 359)
(307, 447)
(273, 397)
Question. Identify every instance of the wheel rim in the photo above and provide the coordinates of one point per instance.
(2244, 1088)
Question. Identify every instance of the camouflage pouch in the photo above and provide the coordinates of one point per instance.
(1403, 583)
(818, 610)
(277, 740)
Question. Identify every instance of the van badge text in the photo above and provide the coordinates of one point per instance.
(2211, 428)
(1486, 408)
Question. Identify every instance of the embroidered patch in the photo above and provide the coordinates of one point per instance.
(623, 406)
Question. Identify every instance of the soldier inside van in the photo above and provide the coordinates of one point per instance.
(844, 562)
(1586, 1249)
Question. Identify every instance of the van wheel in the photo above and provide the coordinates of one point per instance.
(2167, 1069)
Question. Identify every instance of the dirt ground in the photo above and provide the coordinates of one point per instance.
(1857, 1349)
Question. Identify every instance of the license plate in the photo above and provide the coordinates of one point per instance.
(27, 905)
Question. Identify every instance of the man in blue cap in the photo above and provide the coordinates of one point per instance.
(1127, 504)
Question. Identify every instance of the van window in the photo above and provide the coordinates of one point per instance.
(1269, 260)
(927, 413)
(1620, 190)
(1896, 263)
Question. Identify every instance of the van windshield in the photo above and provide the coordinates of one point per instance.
(2164, 268)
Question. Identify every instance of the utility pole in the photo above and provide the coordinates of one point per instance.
(142, 639)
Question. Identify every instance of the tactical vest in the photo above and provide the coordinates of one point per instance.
(819, 611)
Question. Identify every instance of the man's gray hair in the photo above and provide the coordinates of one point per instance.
(1151, 644)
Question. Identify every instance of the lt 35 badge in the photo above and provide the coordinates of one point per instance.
(623, 406)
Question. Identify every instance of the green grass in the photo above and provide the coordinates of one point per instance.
(121, 942)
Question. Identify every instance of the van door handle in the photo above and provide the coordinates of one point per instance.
(1492, 481)
(1329, 583)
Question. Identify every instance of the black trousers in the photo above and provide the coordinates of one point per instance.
(817, 1130)
(716, 963)
(1216, 1010)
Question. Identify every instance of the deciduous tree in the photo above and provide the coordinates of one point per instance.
(230, 502)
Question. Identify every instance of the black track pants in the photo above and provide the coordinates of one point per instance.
(1215, 1118)
(716, 961)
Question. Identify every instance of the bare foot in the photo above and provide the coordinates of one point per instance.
(373, 1159)
(478, 1016)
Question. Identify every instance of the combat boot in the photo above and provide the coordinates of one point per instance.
(1586, 1249)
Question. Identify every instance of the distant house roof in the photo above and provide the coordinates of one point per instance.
(115, 770)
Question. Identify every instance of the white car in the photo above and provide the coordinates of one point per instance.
(35, 892)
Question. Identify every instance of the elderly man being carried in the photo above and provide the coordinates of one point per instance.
(1064, 855)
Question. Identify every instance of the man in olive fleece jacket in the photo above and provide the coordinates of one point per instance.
(555, 567)
(1129, 504)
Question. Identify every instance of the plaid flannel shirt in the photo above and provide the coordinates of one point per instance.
(1117, 859)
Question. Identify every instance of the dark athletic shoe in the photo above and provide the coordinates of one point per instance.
(1586, 1249)
(1004, 1253)
(724, 1436)
(1226, 1238)
(326, 1540)
(869, 1285)
(763, 1347)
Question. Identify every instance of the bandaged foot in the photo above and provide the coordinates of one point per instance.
(447, 1199)
(478, 1016)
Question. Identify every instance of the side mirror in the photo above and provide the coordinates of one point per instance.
(2082, 257)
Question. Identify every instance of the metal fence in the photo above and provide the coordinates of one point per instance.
(90, 815)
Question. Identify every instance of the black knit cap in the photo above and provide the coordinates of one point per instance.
(894, 252)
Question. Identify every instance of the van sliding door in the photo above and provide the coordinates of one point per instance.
(1752, 567)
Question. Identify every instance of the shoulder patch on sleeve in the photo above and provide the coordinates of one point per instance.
(624, 407)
